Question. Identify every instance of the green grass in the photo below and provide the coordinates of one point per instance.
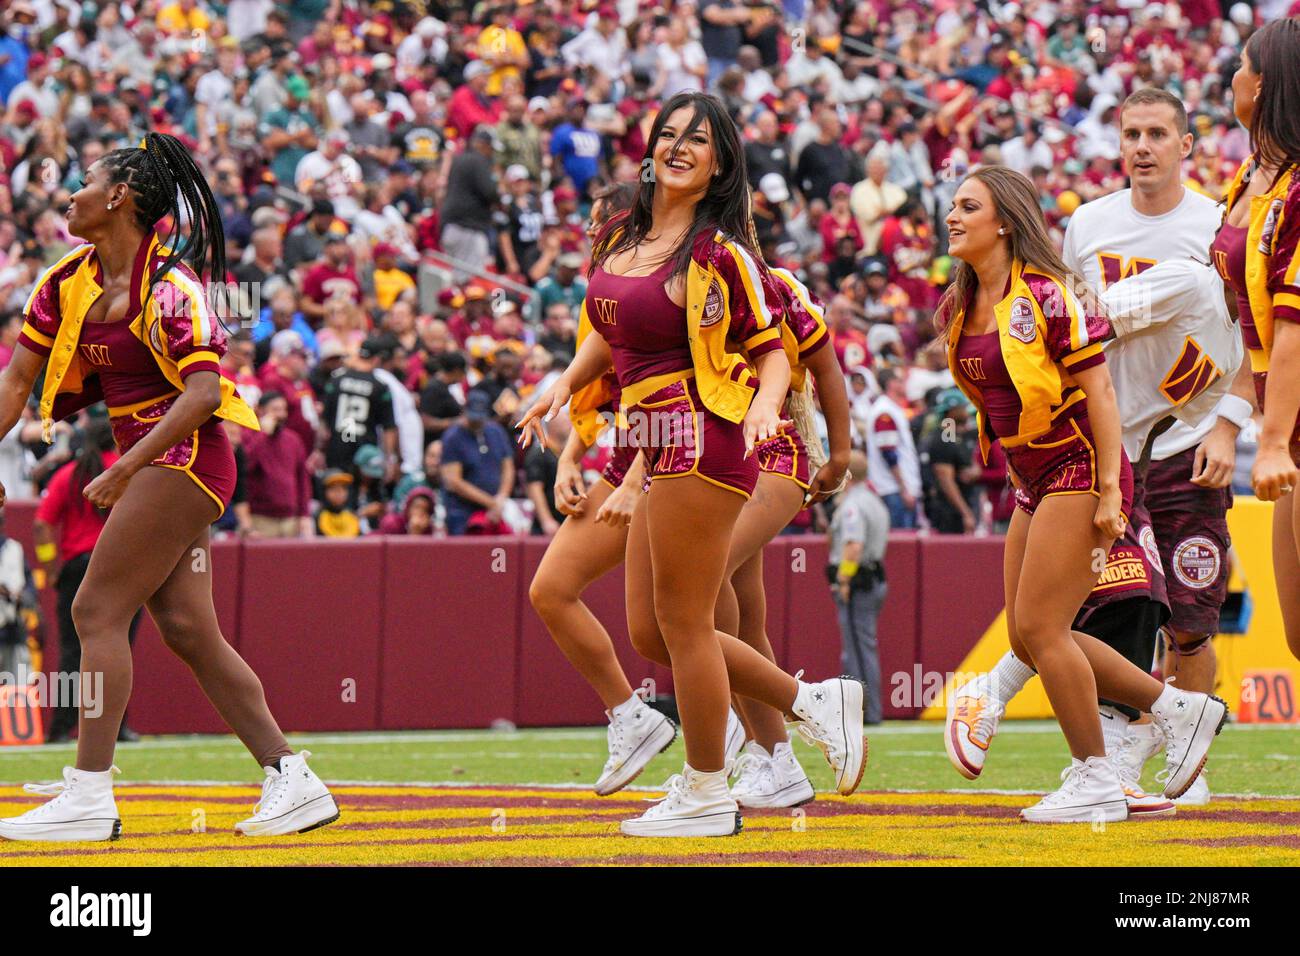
(904, 755)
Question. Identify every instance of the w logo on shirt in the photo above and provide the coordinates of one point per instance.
(1115, 267)
(1192, 374)
(973, 368)
(96, 354)
(607, 310)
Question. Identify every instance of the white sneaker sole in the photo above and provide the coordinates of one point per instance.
(855, 744)
(1108, 811)
(793, 795)
(71, 831)
(1189, 800)
(721, 823)
(313, 814)
(1211, 720)
(955, 756)
(655, 743)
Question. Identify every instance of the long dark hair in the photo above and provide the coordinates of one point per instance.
(96, 439)
(725, 205)
(165, 180)
(1274, 52)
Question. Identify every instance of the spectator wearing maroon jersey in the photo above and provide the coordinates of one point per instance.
(286, 373)
(278, 482)
(65, 512)
(475, 317)
(839, 222)
(334, 276)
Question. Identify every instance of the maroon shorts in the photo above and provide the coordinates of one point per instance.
(681, 437)
(206, 456)
(619, 462)
(784, 455)
(1261, 380)
(1133, 567)
(1191, 528)
(1063, 462)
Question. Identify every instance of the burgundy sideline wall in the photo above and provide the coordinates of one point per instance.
(398, 633)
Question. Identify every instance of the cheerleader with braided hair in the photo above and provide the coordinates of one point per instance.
(124, 319)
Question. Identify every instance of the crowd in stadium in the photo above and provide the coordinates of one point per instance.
(405, 188)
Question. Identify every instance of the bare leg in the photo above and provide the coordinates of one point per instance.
(1194, 671)
(1056, 574)
(1286, 565)
(187, 620)
(581, 552)
(145, 543)
(775, 502)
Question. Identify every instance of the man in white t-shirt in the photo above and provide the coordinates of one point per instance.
(340, 173)
(1175, 358)
(894, 470)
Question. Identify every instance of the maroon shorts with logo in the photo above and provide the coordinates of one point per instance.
(1133, 567)
(1063, 462)
(1191, 528)
(785, 455)
(1261, 380)
(206, 455)
(681, 437)
(619, 462)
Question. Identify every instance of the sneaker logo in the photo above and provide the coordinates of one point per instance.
(1182, 703)
(819, 696)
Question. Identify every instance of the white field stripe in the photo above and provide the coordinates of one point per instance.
(199, 306)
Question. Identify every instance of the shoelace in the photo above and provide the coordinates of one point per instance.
(676, 790)
(984, 723)
(750, 769)
(273, 788)
(1127, 769)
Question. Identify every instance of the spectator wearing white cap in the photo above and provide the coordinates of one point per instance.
(426, 44)
(470, 106)
(601, 47)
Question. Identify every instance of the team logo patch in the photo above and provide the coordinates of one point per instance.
(1196, 562)
(1270, 226)
(1022, 325)
(1147, 538)
(713, 307)
(155, 338)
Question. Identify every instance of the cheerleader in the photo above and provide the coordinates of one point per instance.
(1027, 351)
(675, 292)
(123, 320)
(1257, 251)
(794, 472)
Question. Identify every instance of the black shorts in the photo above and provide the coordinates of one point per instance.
(1131, 627)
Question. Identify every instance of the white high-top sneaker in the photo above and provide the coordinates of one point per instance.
(1139, 744)
(697, 804)
(1190, 721)
(83, 808)
(782, 783)
(294, 800)
(1091, 793)
(973, 715)
(637, 734)
(735, 742)
(1197, 795)
(750, 770)
(831, 719)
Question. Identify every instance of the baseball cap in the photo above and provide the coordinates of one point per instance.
(377, 345)
(369, 460)
(570, 260)
(874, 267)
(384, 249)
(382, 61)
(297, 87)
(332, 349)
(516, 172)
(478, 406)
(287, 342)
(475, 291)
(476, 68)
(336, 476)
(841, 189)
(450, 298)
(564, 194)
(538, 103)
(774, 187)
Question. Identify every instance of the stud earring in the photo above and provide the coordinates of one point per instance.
(110, 205)
(1002, 232)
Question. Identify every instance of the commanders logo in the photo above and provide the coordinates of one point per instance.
(1196, 562)
(1022, 325)
(155, 338)
(1147, 538)
(713, 306)
(1270, 226)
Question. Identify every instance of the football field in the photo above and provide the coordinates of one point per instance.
(524, 798)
